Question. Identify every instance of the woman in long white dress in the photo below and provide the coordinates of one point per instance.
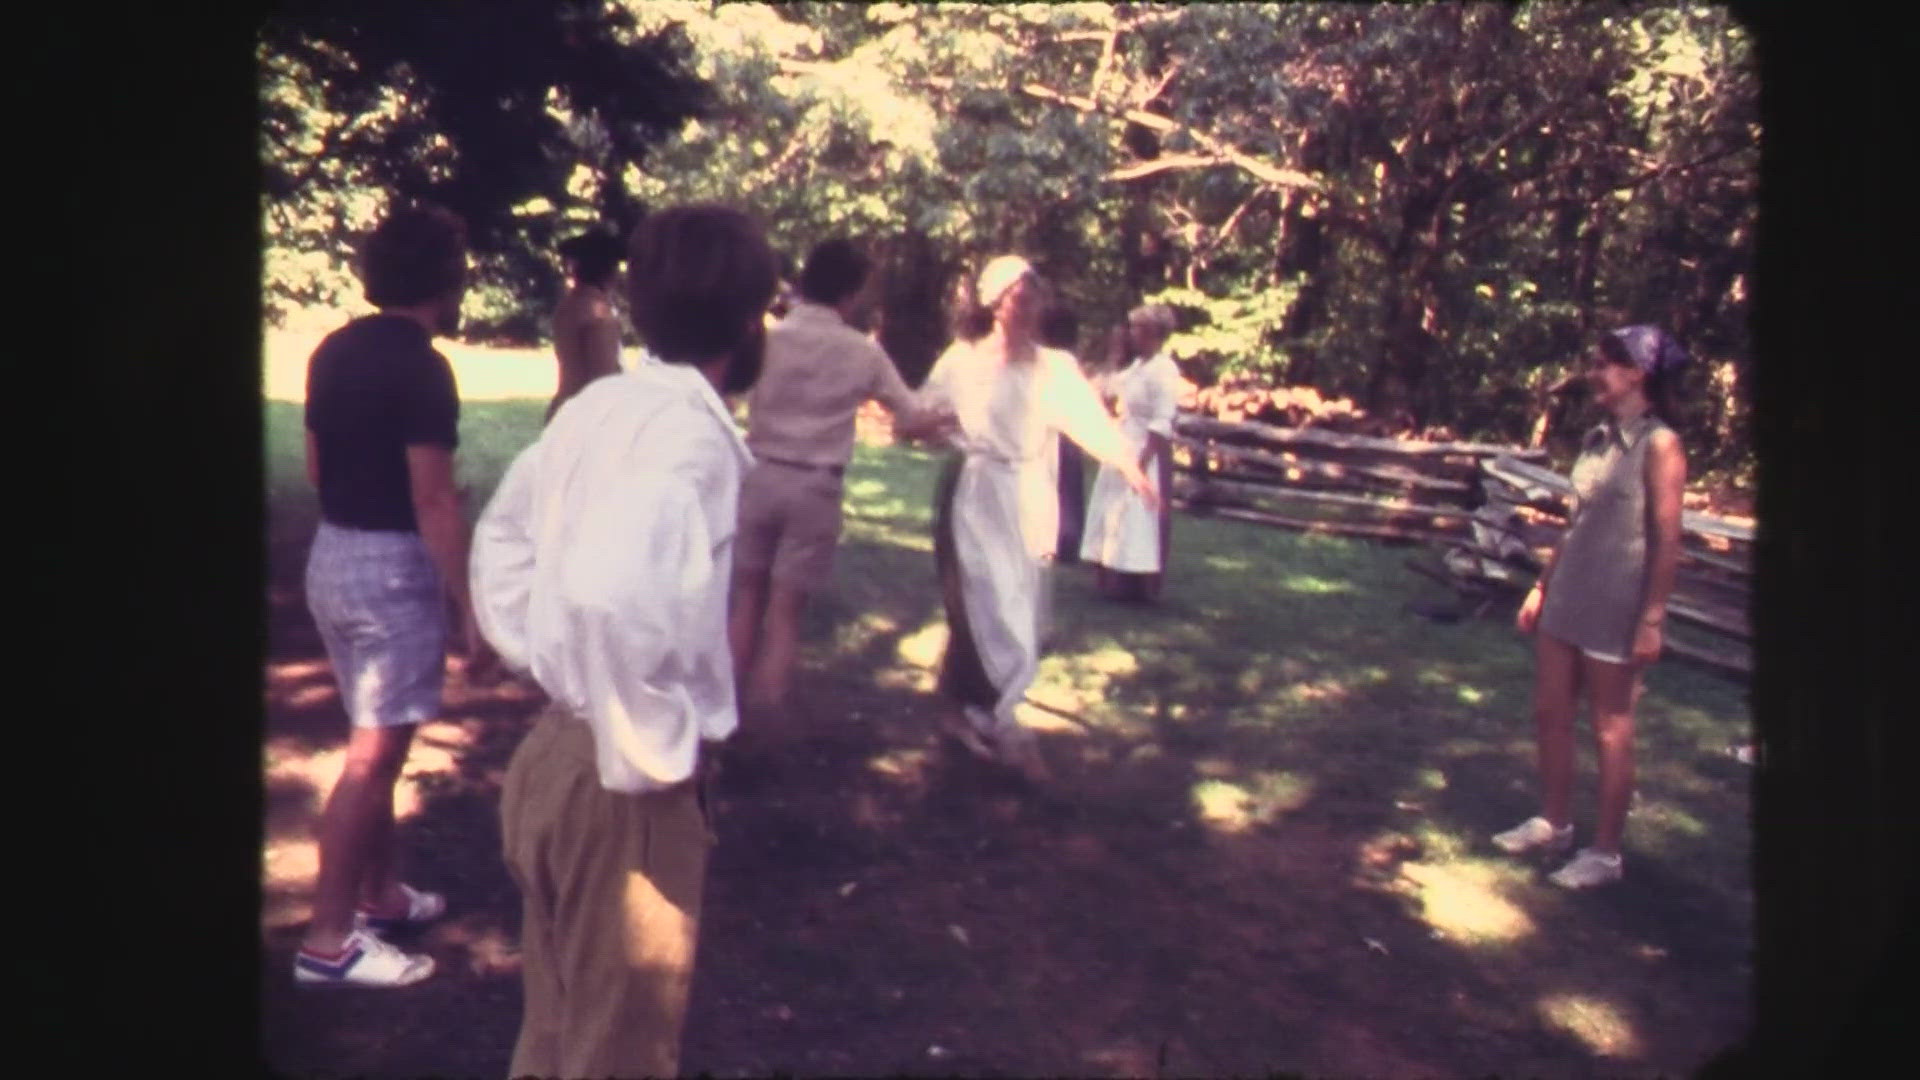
(997, 511)
(1126, 537)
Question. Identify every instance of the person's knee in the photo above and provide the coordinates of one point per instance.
(375, 754)
(1614, 729)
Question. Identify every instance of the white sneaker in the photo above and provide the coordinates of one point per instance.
(1587, 869)
(364, 960)
(1534, 834)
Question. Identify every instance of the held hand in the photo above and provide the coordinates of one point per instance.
(482, 663)
(1647, 641)
(1142, 486)
(1529, 616)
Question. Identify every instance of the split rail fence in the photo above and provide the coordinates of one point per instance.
(1486, 514)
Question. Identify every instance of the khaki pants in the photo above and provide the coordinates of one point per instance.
(610, 888)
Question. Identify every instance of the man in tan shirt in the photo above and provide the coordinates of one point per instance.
(819, 371)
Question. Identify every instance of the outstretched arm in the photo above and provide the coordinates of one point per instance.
(1075, 410)
(912, 420)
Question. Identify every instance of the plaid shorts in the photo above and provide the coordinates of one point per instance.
(377, 600)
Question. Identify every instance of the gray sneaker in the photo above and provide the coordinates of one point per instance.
(1534, 834)
(1589, 868)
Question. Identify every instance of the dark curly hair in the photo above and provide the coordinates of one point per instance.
(699, 279)
(595, 256)
(835, 270)
(416, 255)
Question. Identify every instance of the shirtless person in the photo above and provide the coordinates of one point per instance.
(586, 332)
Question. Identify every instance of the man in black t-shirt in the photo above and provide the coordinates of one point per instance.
(382, 420)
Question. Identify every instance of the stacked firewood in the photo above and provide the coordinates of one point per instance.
(1235, 399)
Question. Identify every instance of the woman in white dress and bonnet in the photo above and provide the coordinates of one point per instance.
(997, 511)
(1125, 537)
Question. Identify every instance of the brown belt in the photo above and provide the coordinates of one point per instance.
(837, 470)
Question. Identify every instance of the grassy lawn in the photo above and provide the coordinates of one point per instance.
(1281, 700)
(1286, 661)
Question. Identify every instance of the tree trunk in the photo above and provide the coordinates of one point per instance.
(912, 284)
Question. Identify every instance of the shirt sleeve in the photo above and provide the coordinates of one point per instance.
(634, 626)
(1075, 410)
(429, 405)
(501, 565)
(937, 391)
(888, 386)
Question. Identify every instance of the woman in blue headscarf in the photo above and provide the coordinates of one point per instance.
(1598, 609)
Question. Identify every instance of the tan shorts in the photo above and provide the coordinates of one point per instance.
(789, 523)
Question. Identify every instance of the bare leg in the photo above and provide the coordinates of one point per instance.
(1615, 689)
(358, 811)
(379, 883)
(772, 674)
(1556, 678)
(746, 606)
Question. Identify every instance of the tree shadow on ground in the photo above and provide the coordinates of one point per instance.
(881, 903)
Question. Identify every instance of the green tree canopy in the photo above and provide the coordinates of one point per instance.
(1429, 208)
(520, 115)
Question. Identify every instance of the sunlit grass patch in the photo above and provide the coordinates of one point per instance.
(855, 634)
(1233, 807)
(1602, 1025)
(883, 531)
(906, 764)
(1462, 899)
(1308, 583)
(923, 647)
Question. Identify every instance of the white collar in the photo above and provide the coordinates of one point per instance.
(688, 379)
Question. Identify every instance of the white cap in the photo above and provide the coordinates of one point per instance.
(999, 275)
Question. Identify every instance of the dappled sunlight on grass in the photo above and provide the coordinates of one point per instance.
(288, 869)
(1666, 817)
(1319, 691)
(1228, 564)
(318, 770)
(1276, 740)
(876, 532)
(924, 646)
(1462, 900)
(864, 491)
(1307, 583)
(906, 764)
(1259, 799)
(858, 633)
(1601, 1025)
(1047, 720)
(1439, 844)
(488, 949)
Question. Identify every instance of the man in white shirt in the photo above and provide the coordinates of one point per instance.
(600, 567)
(819, 371)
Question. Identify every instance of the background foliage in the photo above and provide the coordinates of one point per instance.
(1428, 208)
